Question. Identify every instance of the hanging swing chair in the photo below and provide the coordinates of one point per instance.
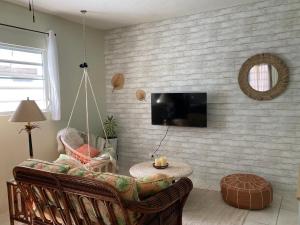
(71, 139)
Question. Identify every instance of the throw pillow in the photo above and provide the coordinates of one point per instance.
(72, 137)
(84, 149)
(150, 185)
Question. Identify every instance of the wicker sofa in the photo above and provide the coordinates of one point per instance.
(50, 199)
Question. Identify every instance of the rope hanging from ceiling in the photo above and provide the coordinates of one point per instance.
(87, 85)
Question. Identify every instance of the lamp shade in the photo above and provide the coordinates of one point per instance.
(27, 111)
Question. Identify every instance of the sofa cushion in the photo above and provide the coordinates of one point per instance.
(126, 187)
(68, 160)
(150, 185)
(46, 166)
(81, 172)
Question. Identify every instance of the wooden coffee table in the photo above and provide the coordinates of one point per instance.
(175, 169)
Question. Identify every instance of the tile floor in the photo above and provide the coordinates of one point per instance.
(284, 211)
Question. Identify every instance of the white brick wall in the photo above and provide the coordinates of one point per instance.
(203, 53)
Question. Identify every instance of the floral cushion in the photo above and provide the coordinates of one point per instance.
(68, 160)
(46, 166)
(81, 172)
(150, 185)
(126, 186)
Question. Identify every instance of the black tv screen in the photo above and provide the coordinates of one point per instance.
(179, 109)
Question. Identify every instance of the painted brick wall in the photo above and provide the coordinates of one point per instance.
(203, 53)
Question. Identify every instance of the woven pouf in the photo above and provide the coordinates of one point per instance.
(246, 191)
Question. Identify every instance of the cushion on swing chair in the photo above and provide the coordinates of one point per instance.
(74, 143)
(79, 156)
(68, 160)
(71, 136)
(84, 149)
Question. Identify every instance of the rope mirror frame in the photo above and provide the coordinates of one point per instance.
(264, 58)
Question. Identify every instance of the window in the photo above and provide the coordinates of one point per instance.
(21, 75)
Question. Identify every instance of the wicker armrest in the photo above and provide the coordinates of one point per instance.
(163, 199)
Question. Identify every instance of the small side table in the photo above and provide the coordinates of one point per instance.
(16, 204)
(175, 169)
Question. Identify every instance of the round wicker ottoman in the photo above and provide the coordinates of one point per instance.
(246, 191)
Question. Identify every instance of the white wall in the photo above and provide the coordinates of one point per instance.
(69, 37)
(203, 53)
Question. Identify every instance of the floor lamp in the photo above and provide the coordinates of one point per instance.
(28, 112)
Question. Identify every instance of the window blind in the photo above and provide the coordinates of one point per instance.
(22, 75)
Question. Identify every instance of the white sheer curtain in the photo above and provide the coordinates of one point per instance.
(53, 74)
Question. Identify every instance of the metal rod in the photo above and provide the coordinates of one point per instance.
(23, 28)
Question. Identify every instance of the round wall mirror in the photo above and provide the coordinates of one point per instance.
(263, 77)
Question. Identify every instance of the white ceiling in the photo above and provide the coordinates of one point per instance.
(107, 14)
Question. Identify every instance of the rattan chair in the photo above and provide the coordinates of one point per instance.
(53, 196)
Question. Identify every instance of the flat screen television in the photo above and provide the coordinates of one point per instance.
(179, 109)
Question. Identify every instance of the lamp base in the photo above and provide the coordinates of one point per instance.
(30, 144)
(28, 128)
